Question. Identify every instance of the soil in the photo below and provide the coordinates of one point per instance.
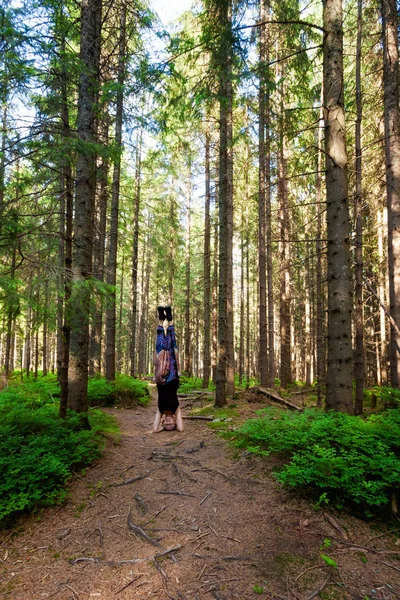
(184, 516)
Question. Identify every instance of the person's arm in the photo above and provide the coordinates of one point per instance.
(157, 425)
(179, 420)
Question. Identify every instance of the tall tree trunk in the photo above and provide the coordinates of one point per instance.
(45, 328)
(3, 159)
(64, 348)
(241, 319)
(187, 342)
(28, 341)
(135, 255)
(84, 206)
(268, 232)
(247, 366)
(112, 257)
(320, 308)
(214, 345)
(392, 148)
(171, 253)
(285, 292)
(96, 333)
(36, 363)
(382, 270)
(339, 375)
(225, 309)
(262, 184)
(307, 318)
(359, 366)
(207, 265)
(142, 368)
(119, 354)
(11, 313)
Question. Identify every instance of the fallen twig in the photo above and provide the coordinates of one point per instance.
(160, 569)
(129, 481)
(140, 532)
(215, 593)
(76, 595)
(209, 469)
(227, 537)
(309, 569)
(180, 472)
(227, 558)
(393, 566)
(177, 494)
(277, 398)
(201, 573)
(205, 498)
(157, 513)
(75, 561)
(198, 418)
(127, 585)
(336, 525)
(136, 561)
(140, 503)
(319, 589)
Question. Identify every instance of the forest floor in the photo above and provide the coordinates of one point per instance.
(217, 525)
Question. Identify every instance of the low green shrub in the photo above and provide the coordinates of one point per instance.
(38, 450)
(131, 389)
(340, 459)
(124, 390)
(188, 384)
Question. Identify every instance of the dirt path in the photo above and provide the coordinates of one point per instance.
(231, 532)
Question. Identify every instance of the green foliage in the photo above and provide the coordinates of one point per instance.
(329, 561)
(386, 396)
(38, 450)
(124, 389)
(340, 459)
(258, 589)
(188, 384)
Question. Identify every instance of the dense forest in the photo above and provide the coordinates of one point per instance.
(242, 166)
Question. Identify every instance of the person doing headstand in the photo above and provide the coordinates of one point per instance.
(166, 375)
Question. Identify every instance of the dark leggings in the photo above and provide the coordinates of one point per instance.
(167, 396)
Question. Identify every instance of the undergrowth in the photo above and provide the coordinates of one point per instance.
(189, 384)
(39, 451)
(336, 458)
(124, 390)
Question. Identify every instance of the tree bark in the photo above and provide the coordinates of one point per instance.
(207, 264)
(320, 271)
(142, 368)
(262, 185)
(3, 159)
(285, 291)
(45, 329)
(359, 366)
(392, 149)
(187, 339)
(382, 270)
(214, 345)
(113, 248)
(225, 310)
(11, 314)
(96, 333)
(135, 256)
(339, 375)
(84, 207)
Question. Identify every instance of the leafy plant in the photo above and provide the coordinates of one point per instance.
(38, 450)
(329, 561)
(125, 390)
(346, 460)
